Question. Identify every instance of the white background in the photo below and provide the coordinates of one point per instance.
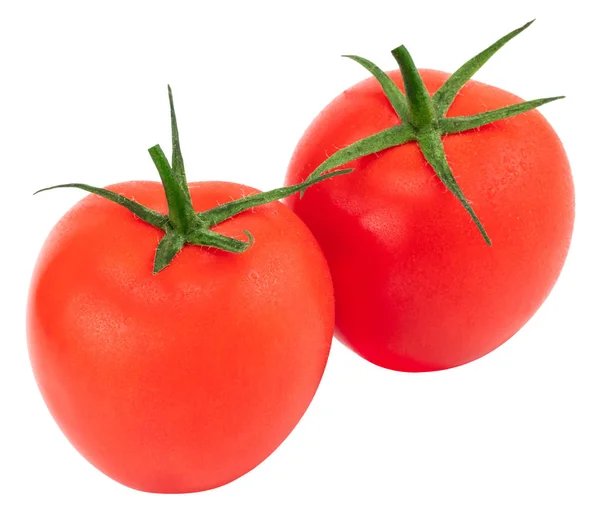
(83, 95)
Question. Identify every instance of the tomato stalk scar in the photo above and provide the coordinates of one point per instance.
(422, 117)
(183, 225)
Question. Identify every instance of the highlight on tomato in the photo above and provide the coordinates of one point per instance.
(178, 336)
(457, 219)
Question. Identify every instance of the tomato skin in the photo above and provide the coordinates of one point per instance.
(416, 287)
(185, 380)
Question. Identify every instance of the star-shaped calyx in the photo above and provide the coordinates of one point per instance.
(183, 225)
(422, 117)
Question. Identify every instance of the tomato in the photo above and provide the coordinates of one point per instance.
(417, 288)
(183, 380)
(179, 368)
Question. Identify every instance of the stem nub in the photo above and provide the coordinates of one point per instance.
(181, 212)
(421, 113)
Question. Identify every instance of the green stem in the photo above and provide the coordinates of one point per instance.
(181, 212)
(421, 113)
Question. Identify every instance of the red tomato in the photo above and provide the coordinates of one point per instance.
(416, 287)
(184, 380)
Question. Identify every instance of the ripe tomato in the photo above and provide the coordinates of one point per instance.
(417, 288)
(183, 380)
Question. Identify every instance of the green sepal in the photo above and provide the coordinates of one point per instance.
(148, 215)
(170, 245)
(433, 149)
(177, 157)
(444, 96)
(388, 138)
(208, 238)
(464, 123)
(225, 211)
(392, 92)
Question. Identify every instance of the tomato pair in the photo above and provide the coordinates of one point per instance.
(178, 338)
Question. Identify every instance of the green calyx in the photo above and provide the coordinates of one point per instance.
(423, 118)
(183, 225)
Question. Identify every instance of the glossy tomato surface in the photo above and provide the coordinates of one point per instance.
(417, 288)
(184, 380)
